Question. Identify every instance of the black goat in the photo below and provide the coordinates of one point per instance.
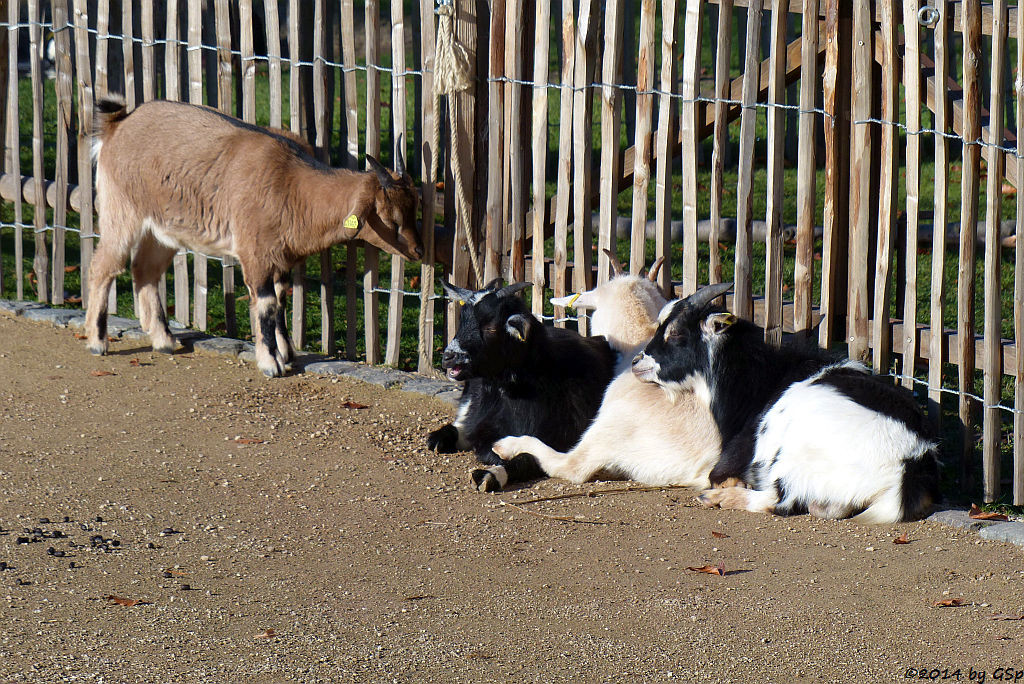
(522, 378)
(807, 433)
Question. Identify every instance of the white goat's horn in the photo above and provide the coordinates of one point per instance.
(616, 265)
(653, 275)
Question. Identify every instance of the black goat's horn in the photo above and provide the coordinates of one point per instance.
(400, 155)
(383, 175)
(456, 293)
(512, 289)
(706, 295)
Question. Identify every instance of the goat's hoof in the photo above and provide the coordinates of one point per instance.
(98, 349)
(486, 481)
(709, 498)
(164, 348)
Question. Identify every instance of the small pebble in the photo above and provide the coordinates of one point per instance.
(58, 554)
(115, 542)
(67, 518)
(186, 587)
(44, 521)
(167, 574)
(99, 519)
(50, 551)
(150, 545)
(168, 530)
(72, 565)
(22, 583)
(3, 565)
(23, 540)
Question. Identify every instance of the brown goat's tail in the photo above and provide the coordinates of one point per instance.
(109, 112)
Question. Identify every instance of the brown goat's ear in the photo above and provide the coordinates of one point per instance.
(518, 327)
(717, 323)
(383, 175)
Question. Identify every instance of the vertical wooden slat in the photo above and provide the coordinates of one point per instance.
(322, 144)
(880, 335)
(564, 156)
(295, 123)
(195, 96)
(62, 87)
(371, 300)
(642, 141)
(584, 66)
(102, 45)
(148, 52)
(40, 261)
(912, 89)
(611, 125)
(171, 68)
(248, 61)
(743, 303)
(270, 10)
(516, 151)
(397, 298)
(224, 92)
(8, 149)
(720, 135)
(540, 148)
(428, 172)
(128, 53)
(85, 111)
(1018, 290)
(992, 431)
(776, 143)
(966, 276)
(496, 130)
(351, 160)
(806, 194)
(688, 128)
(860, 183)
(942, 121)
(14, 144)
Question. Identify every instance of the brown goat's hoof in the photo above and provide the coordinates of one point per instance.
(97, 350)
(164, 350)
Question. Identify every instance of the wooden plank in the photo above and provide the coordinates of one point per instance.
(889, 168)
(992, 424)
(7, 149)
(564, 157)
(321, 125)
(128, 56)
(351, 84)
(171, 69)
(40, 261)
(966, 276)
(941, 121)
(224, 92)
(248, 61)
(62, 88)
(611, 113)
(428, 172)
(148, 52)
(688, 130)
(398, 121)
(744, 188)
(195, 96)
(273, 25)
(584, 66)
(371, 300)
(1018, 294)
(13, 131)
(912, 90)
(803, 267)
(495, 221)
(642, 141)
(776, 143)
(516, 223)
(540, 142)
(299, 339)
(720, 135)
(83, 75)
(102, 46)
(858, 311)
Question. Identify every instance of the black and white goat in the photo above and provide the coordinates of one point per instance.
(805, 432)
(522, 378)
(640, 432)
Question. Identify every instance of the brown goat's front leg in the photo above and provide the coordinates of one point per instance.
(268, 358)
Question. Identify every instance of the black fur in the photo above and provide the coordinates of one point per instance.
(268, 319)
(548, 384)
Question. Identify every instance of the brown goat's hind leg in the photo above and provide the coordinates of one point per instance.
(149, 264)
(285, 350)
(108, 261)
(267, 356)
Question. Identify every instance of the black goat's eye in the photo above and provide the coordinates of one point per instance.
(490, 330)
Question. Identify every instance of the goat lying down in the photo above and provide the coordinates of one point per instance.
(640, 432)
(804, 432)
(171, 175)
(521, 377)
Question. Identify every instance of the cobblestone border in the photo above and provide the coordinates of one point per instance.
(390, 378)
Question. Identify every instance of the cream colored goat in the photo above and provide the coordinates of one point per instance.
(171, 175)
(639, 433)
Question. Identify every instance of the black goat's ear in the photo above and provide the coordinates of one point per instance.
(717, 323)
(383, 175)
(457, 294)
(518, 327)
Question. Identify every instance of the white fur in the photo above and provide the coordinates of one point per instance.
(639, 433)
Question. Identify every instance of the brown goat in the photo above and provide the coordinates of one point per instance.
(172, 175)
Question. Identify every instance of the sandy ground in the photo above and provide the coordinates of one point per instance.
(371, 559)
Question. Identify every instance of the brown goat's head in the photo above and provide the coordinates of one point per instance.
(395, 206)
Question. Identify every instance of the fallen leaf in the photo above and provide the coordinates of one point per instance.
(100, 374)
(414, 282)
(979, 514)
(70, 269)
(73, 299)
(80, 336)
(479, 655)
(719, 535)
(710, 569)
(249, 440)
(1007, 617)
(353, 405)
(122, 601)
(133, 362)
(902, 539)
(950, 603)
(1009, 189)
(266, 634)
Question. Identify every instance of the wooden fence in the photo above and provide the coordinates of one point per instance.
(801, 148)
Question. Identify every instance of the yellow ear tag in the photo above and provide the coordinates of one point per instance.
(516, 334)
(351, 222)
(462, 303)
(730, 319)
(574, 298)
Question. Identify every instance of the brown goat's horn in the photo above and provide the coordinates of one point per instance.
(653, 275)
(616, 265)
(400, 155)
(383, 175)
